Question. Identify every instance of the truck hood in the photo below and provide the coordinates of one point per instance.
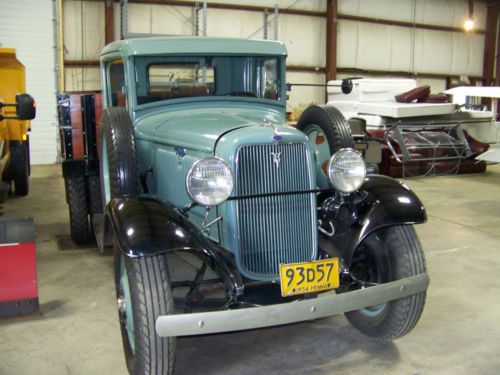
(201, 128)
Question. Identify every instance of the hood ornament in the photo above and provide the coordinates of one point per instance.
(276, 158)
(276, 137)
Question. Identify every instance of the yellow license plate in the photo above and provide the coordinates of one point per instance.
(309, 277)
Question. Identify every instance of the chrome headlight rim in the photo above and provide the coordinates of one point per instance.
(192, 169)
(333, 158)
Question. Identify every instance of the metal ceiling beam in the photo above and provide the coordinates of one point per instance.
(251, 8)
(81, 63)
(359, 72)
(379, 21)
(309, 69)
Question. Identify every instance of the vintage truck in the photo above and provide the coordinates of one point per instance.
(224, 218)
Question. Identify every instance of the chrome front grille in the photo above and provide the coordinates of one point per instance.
(278, 228)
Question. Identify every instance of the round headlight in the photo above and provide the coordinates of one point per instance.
(346, 170)
(210, 181)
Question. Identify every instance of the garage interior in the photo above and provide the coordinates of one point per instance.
(76, 330)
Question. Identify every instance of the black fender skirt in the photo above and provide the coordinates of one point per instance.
(147, 226)
(386, 202)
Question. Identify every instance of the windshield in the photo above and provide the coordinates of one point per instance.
(163, 78)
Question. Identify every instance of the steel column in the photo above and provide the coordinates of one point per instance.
(331, 42)
(109, 24)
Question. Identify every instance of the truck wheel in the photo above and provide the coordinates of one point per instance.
(118, 165)
(389, 254)
(328, 132)
(78, 210)
(143, 293)
(20, 169)
(95, 199)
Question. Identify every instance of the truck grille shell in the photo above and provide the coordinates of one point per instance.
(280, 228)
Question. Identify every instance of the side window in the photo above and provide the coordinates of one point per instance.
(270, 79)
(116, 74)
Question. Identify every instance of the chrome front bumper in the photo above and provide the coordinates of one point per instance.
(326, 304)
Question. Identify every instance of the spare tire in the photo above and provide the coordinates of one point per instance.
(328, 132)
(119, 169)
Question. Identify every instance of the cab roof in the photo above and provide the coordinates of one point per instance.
(194, 46)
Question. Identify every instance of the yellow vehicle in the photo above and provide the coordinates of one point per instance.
(16, 110)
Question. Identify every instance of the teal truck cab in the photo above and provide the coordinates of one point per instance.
(223, 217)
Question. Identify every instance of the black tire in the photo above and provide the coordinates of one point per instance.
(95, 198)
(333, 124)
(150, 296)
(119, 170)
(96, 213)
(389, 254)
(19, 168)
(120, 176)
(78, 210)
(328, 132)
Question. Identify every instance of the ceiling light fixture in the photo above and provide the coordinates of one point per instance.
(469, 23)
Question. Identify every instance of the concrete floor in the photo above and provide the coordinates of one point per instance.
(459, 332)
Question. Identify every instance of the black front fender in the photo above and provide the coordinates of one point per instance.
(386, 202)
(146, 226)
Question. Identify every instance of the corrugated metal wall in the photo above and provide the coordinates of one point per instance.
(83, 29)
(28, 26)
(361, 45)
(392, 48)
(305, 43)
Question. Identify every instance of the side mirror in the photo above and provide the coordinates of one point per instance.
(346, 86)
(25, 107)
